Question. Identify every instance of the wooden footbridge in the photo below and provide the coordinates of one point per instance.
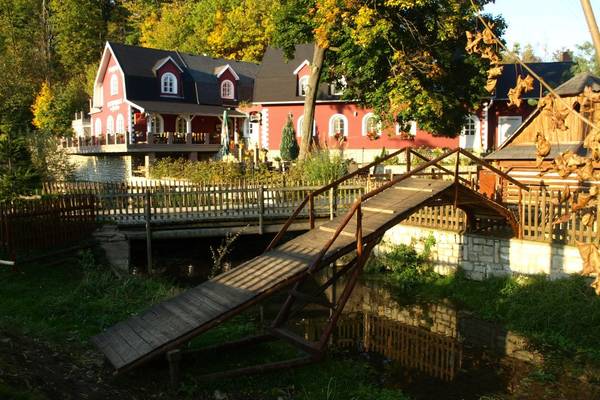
(166, 327)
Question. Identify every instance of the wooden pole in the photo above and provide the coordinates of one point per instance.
(147, 217)
(261, 209)
(592, 26)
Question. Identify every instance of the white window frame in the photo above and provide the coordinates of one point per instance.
(120, 124)
(168, 83)
(302, 83)
(332, 121)
(412, 131)
(231, 88)
(299, 126)
(365, 121)
(114, 85)
(337, 87)
(98, 127)
(179, 120)
(157, 120)
(471, 119)
(110, 125)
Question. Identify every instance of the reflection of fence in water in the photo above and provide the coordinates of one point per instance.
(411, 346)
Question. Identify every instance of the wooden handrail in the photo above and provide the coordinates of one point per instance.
(489, 166)
(446, 170)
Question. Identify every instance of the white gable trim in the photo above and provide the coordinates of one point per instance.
(304, 63)
(228, 67)
(102, 71)
(166, 60)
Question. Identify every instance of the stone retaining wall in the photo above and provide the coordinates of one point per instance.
(484, 256)
(106, 168)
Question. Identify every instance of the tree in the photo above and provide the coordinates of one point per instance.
(53, 109)
(528, 55)
(80, 31)
(289, 146)
(395, 56)
(17, 177)
(585, 59)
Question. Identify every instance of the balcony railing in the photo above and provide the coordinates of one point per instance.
(136, 138)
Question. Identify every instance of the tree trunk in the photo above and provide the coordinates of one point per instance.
(316, 66)
(593, 27)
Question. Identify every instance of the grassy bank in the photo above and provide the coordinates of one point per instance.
(559, 316)
(61, 307)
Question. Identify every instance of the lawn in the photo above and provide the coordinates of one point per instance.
(54, 310)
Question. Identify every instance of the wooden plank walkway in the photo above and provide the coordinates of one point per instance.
(174, 322)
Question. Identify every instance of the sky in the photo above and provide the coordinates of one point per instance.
(547, 25)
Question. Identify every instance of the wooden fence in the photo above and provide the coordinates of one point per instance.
(543, 216)
(30, 226)
(243, 201)
(411, 346)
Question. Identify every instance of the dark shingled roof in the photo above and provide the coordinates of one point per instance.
(527, 151)
(575, 85)
(554, 73)
(200, 83)
(276, 81)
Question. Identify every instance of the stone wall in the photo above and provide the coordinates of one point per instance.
(105, 168)
(484, 256)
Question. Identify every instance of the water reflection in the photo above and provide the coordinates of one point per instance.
(411, 346)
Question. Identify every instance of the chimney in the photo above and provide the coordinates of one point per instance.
(566, 56)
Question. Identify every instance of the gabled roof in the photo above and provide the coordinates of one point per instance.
(276, 80)
(221, 70)
(199, 80)
(554, 73)
(162, 62)
(575, 85)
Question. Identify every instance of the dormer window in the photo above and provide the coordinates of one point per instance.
(302, 85)
(227, 90)
(168, 83)
(114, 85)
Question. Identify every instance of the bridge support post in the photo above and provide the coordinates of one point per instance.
(174, 359)
(147, 216)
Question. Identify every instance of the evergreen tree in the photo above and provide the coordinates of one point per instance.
(289, 146)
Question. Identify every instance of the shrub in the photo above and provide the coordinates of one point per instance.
(289, 146)
(320, 166)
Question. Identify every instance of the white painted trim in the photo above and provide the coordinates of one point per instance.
(122, 119)
(228, 67)
(300, 80)
(363, 124)
(103, 67)
(232, 95)
(175, 84)
(299, 126)
(332, 122)
(114, 84)
(166, 60)
(305, 62)
(131, 103)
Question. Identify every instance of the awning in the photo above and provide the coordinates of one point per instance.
(168, 107)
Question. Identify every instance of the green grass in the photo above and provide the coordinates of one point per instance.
(65, 305)
(558, 316)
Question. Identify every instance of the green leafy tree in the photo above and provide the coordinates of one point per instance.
(585, 59)
(289, 146)
(17, 176)
(404, 58)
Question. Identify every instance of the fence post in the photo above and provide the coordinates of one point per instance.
(311, 213)
(331, 205)
(261, 209)
(147, 216)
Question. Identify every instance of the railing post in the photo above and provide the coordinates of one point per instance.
(408, 160)
(521, 214)
(311, 210)
(456, 174)
(147, 216)
(331, 206)
(261, 209)
(359, 236)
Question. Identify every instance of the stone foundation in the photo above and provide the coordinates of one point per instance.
(484, 256)
(105, 168)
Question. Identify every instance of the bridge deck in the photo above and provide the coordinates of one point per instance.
(175, 321)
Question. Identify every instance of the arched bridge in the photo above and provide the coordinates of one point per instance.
(166, 327)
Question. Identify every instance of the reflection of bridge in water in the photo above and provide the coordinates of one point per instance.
(411, 346)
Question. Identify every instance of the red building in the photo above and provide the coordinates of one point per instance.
(151, 103)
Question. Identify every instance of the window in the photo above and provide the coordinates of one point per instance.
(407, 130)
(181, 125)
(156, 124)
(302, 85)
(110, 125)
(120, 124)
(168, 83)
(470, 127)
(370, 125)
(114, 85)
(301, 123)
(98, 127)
(338, 125)
(227, 89)
(337, 87)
